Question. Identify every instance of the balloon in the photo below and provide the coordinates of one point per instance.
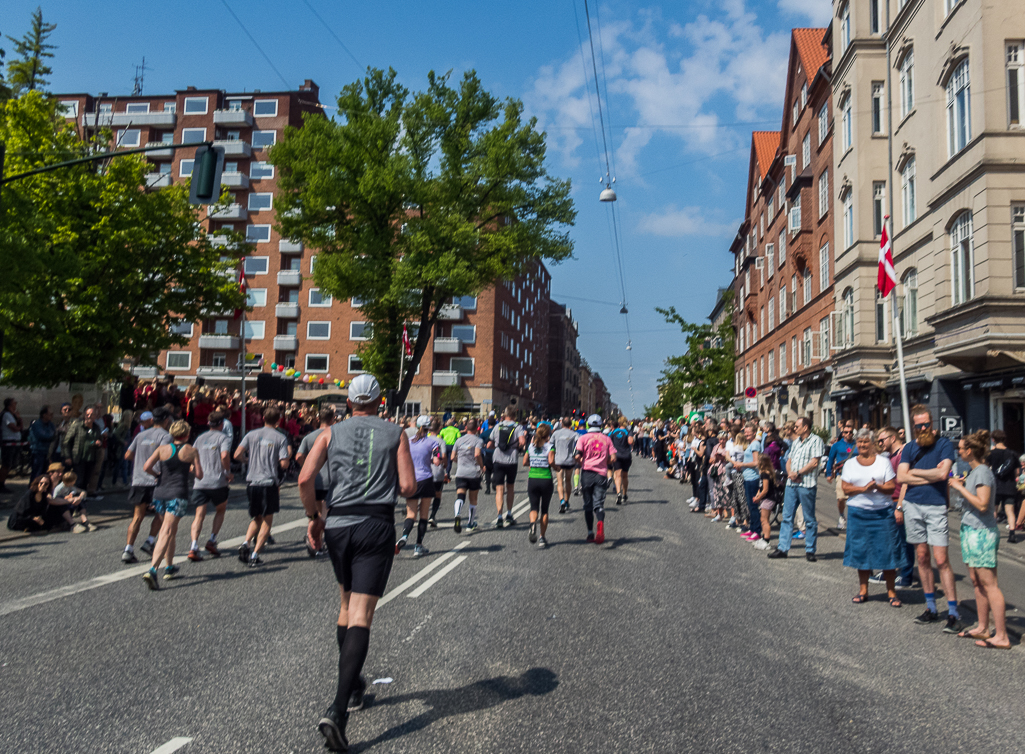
(289, 372)
(274, 365)
(298, 374)
(281, 367)
(321, 380)
(327, 376)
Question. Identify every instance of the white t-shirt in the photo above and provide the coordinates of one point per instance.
(7, 434)
(880, 470)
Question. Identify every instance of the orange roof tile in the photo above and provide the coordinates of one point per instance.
(813, 53)
(765, 143)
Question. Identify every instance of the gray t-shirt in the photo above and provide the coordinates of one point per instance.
(512, 455)
(210, 445)
(322, 482)
(143, 446)
(564, 440)
(980, 476)
(464, 452)
(266, 448)
(362, 462)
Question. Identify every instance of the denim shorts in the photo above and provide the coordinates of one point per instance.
(176, 507)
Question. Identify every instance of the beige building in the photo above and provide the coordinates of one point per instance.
(958, 228)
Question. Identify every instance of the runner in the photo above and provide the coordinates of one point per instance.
(322, 483)
(448, 435)
(469, 455)
(140, 497)
(564, 440)
(508, 440)
(425, 451)
(622, 442)
(369, 461)
(595, 453)
(214, 448)
(440, 474)
(539, 459)
(171, 496)
(267, 450)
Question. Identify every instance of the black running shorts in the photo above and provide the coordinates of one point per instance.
(504, 473)
(423, 489)
(209, 497)
(263, 501)
(539, 492)
(141, 496)
(622, 464)
(468, 483)
(362, 555)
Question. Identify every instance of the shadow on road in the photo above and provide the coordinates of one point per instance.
(614, 543)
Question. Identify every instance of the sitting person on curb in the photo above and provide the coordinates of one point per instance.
(32, 511)
(67, 495)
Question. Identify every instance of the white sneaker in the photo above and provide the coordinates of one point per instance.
(761, 544)
(717, 518)
(841, 524)
(733, 520)
(691, 500)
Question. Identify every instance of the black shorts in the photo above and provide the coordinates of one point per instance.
(564, 467)
(539, 492)
(423, 489)
(263, 501)
(622, 464)
(141, 496)
(438, 487)
(209, 497)
(362, 555)
(9, 454)
(504, 473)
(468, 483)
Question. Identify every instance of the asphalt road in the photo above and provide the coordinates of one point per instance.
(674, 636)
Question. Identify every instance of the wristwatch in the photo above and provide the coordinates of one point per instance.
(313, 516)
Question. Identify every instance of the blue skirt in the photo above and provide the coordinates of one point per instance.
(872, 541)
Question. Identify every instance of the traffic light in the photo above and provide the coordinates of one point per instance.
(206, 175)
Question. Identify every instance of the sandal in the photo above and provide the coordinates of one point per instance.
(859, 599)
(967, 634)
(987, 644)
(895, 602)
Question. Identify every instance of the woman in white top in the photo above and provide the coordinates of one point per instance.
(872, 544)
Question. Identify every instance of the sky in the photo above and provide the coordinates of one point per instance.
(682, 86)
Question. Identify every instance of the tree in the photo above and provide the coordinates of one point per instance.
(704, 374)
(414, 199)
(96, 267)
(29, 72)
(452, 397)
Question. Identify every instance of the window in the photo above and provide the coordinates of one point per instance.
(804, 94)
(824, 267)
(806, 150)
(847, 315)
(907, 83)
(170, 107)
(106, 108)
(260, 202)
(795, 215)
(874, 20)
(962, 259)
(770, 258)
(164, 168)
(823, 124)
(137, 107)
(806, 347)
(772, 366)
(265, 108)
(782, 358)
(69, 108)
(772, 315)
(220, 327)
(166, 137)
(234, 136)
(254, 330)
(795, 116)
(461, 365)
(258, 170)
(794, 364)
(179, 359)
(782, 303)
(772, 211)
(824, 337)
(782, 190)
(807, 285)
(909, 310)
(465, 333)
(793, 293)
(256, 297)
(182, 328)
(185, 168)
(824, 192)
(193, 135)
(466, 302)
(195, 105)
(318, 299)
(128, 137)
(1018, 244)
(219, 360)
(1015, 82)
(949, 5)
(878, 207)
(848, 219)
(880, 317)
(782, 248)
(263, 139)
(318, 330)
(877, 107)
(317, 362)
(234, 106)
(959, 104)
(256, 265)
(846, 135)
(845, 27)
(356, 302)
(257, 233)
(907, 192)
(359, 331)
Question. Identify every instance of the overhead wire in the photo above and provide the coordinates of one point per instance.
(255, 43)
(332, 33)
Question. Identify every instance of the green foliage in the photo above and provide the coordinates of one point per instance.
(96, 267)
(452, 397)
(406, 197)
(29, 71)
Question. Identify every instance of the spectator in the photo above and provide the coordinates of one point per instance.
(890, 443)
(752, 482)
(841, 451)
(67, 496)
(10, 440)
(1004, 463)
(81, 445)
(41, 434)
(765, 499)
(805, 453)
(30, 514)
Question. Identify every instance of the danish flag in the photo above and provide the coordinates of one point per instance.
(887, 276)
(405, 342)
(242, 287)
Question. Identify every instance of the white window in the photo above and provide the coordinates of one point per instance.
(359, 331)
(793, 354)
(106, 108)
(465, 333)
(761, 226)
(793, 293)
(69, 108)
(782, 248)
(878, 207)
(806, 150)
(317, 362)
(461, 365)
(847, 318)
(782, 303)
(258, 170)
(318, 330)
(909, 201)
(257, 233)
(877, 107)
(255, 330)
(772, 366)
(848, 219)
(804, 94)
(772, 315)
(195, 105)
(761, 320)
(179, 359)
(824, 192)
(137, 107)
(949, 5)
(1018, 244)
(823, 124)
(265, 108)
(772, 213)
(845, 27)
(846, 134)
(782, 190)
(256, 265)
(182, 328)
(234, 106)
(795, 215)
(880, 317)
(824, 338)
(909, 309)
(807, 285)
(263, 139)
(875, 21)
(164, 168)
(170, 107)
(260, 201)
(256, 297)
(907, 83)
(782, 358)
(356, 302)
(959, 106)
(806, 347)
(355, 364)
(234, 136)
(317, 299)
(796, 115)
(466, 302)
(128, 137)
(824, 267)
(185, 168)
(1015, 82)
(193, 135)
(962, 259)
(166, 137)
(220, 327)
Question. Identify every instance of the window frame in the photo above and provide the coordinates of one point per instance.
(357, 337)
(349, 366)
(252, 227)
(186, 139)
(959, 108)
(260, 165)
(848, 219)
(325, 301)
(247, 260)
(907, 83)
(909, 192)
(254, 325)
(255, 292)
(314, 370)
(181, 167)
(1014, 64)
(824, 266)
(311, 336)
(823, 123)
(188, 361)
(256, 106)
(823, 193)
(258, 195)
(1018, 244)
(962, 239)
(472, 339)
(846, 125)
(120, 141)
(262, 132)
(185, 105)
(909, 305)
(473, 366)
(878, 208)
(878, 108)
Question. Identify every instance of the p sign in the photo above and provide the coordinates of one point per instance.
(950, 426)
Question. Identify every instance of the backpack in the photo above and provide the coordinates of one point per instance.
(505, 435)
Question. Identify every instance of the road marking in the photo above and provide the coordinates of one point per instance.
(173, 745)
(437, 577)
(420, 574)
(523, 506)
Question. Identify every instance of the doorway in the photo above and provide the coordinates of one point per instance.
(1013, 422)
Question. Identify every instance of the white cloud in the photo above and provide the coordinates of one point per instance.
(686, 221)
(818, 12)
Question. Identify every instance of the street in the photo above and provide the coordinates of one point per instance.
(674, 636)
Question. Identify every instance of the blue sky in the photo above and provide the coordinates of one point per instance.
(687, 82)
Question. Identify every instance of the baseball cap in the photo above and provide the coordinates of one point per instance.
(594, 421)
(145, 416)
(364, 389)
(423, 421)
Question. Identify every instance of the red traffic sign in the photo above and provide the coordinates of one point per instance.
(751, 393)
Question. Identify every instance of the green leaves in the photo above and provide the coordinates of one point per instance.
(28, 73)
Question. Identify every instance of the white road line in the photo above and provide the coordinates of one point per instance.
(420, 574)
(173, 745)
(437, 577)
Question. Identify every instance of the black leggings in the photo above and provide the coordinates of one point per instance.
(539, 492)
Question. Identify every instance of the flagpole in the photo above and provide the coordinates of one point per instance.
(243, 346)
(402, 364)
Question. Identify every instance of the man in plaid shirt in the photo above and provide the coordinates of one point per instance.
(802, 481)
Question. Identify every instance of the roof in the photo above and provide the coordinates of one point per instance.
(813, 53)
(765, 144)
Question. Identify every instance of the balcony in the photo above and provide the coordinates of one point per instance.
(92, 120)
(218, 342)
(445, 379)
(235, 180)
(159, 154)
(218, 240)
(236, 148)
(290, 277)
(287, 310)
(146, 373)
(980, 335)
(165, 120)
(233, 118)
(231, 212)
(450, 312)
(286, 343)
(448, 345)
(158, 180)
(290, 247)
(223, 372)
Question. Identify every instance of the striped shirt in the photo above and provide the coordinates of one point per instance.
(801, 454)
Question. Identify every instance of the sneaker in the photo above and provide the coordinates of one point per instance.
(243, 553)
(147, 547)
(590, 537)
(471, 526)
(311, 551)
(270, 540)
(356, 697)
(1012, 537)
(91, 526)
(332, 728)
(419, 551)
(841, 524)
(211, 547)
(432, 523)
(79, 529)
(542, 543)
(751, 536)
(954, 625)
(761, 544)
(532, 533)
(254, 562)
(509, 520)
(626, 499)
(171, 572)
(599, 538)
(798, 534)
(901, 583)
(194, 556)
(777, 554)
(717, 518)
(810, 557)
(498, 523)
(876, 578)
(401, 543)
(457, 525)
(733, 522)
(150, 577)
(929, 616)
(128, 557)
(565, 507)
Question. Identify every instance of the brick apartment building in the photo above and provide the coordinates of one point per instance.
(782, 251)
(563, 360)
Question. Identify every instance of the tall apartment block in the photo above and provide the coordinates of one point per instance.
(563, 360)
(958, 189)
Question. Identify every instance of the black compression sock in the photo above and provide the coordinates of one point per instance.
(434, 507)
(351, 656)
(340, 635)
(421, 529)
(407, 527)
(589, 520)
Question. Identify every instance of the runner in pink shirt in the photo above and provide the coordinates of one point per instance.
(595, 453)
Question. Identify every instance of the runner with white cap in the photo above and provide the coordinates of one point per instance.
(595, 452)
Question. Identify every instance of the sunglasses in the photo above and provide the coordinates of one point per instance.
(925, 425)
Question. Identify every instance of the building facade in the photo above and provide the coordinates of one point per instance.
(563, 360)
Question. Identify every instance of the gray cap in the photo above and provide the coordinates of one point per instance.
(594, 421)
(364, 389)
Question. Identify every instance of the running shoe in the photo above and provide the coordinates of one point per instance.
(91, 526)
(619, 499)
(733, 522)
(171, 572)
(194, 556)
(356, 697)
(471, 526)
(150, 577)
(332, 728)
(751, 536)
(419, 551)
(270, 540)
(147, 547)
(626, 499)
(79, 529)
(255, 561)
(243, 553)
(542, 543)
(929, 616)
(211, 547)
(457, 525)
(509, 520)
(532, 533)
(798, 534)
(128, 557)
(954, 625)
(401, 543)
(902, 583)
(498, 523)
(841, 524)
(599, 538)
(590, 536)
(432, 523)
(761, 544)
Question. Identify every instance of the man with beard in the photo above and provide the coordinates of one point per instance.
(925, 464)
